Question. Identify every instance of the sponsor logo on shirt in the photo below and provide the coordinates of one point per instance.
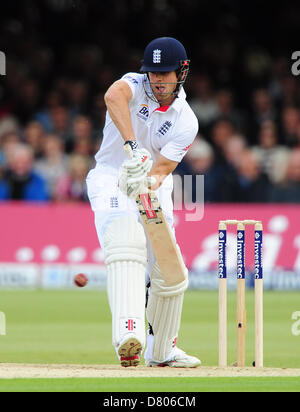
(164, 128)
(143, 113)
(131, 79)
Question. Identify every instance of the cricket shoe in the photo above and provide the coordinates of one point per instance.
(129, 351)
(177, 359)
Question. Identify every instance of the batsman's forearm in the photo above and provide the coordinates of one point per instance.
(161, 169)
(159, 177)
(118, 109)
(121, 118)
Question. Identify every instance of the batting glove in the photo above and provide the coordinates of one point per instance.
(133, 173)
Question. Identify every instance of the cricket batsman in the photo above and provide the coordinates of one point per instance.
(149, 112)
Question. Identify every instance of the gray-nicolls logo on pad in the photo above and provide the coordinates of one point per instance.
(2, 64)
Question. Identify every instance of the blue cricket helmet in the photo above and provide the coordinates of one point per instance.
(164, 54)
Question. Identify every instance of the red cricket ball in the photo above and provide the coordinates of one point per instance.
(80, 280)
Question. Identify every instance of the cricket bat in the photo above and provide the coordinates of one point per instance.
(166, 251)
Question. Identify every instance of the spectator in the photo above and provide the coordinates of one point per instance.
(82, 128)
(290, 122)
(199, 160)
(221, 133)
(77, 95)
(33, 136)
(72, 186)
(28, 99)
(204, 103)
(54, 163)
(289, 190)
(289, 91)
(54, 81)
(226, 110)
(84, 148)
(280, 69)
(54, 99)
(8, 124)
(233, 150)
(20, 181)
(81, 139)
(272, 157)
(247, 184)
(263, 110)
(60, 122)
(8, 142)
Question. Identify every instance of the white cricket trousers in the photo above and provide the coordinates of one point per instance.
(109, 203)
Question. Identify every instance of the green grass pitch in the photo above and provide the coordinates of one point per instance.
(75, 327)
(212, 384)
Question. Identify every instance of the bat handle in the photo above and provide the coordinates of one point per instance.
(128, 150)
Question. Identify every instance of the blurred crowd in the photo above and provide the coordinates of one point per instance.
(251, 156)
(52, 110)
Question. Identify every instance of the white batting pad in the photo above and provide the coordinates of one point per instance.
(164, 315)
(125, 259)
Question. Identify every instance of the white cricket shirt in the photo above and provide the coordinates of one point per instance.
(169, 130)
(166, 130)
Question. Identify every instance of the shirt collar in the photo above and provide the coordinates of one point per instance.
(176, 105)
(180, 100)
